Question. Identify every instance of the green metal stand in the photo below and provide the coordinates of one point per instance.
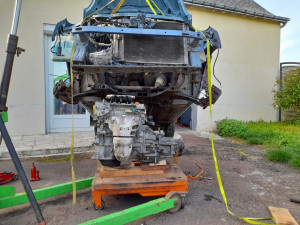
(7, 191)
(135, 213)
(42, 193)
(8, 199)
(4, 117)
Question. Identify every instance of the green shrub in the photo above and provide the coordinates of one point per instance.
(279, 155)
(257, 137)
(289, 96)
(295, 162)
(282, 138)
(255, 141)
(231, 128)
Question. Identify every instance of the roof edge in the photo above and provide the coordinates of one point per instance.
(219, 7)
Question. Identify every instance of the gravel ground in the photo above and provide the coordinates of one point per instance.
(251, 184)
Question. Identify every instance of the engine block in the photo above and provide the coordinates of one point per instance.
(122, 133)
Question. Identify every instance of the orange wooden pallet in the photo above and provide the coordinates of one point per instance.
(157, 181)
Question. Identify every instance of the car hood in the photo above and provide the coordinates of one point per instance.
(172, 10)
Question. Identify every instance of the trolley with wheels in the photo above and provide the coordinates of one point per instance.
(167, 180)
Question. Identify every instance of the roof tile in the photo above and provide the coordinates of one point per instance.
(249, 7)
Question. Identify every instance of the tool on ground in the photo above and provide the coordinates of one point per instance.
(7, 176)
(35, 174)
(12, 49)
(296, 200)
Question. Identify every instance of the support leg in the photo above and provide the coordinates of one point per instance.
(22, 174)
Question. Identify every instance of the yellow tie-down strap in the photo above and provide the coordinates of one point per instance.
(148, 2)
(72, 141)
(247, 219)
(118, 7)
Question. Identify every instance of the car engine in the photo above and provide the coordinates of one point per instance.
(136, 68)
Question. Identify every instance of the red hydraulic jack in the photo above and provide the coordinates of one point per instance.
(35, 174)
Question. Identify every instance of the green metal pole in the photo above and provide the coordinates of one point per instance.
(7, 191)
(45, 192)
(135, 213)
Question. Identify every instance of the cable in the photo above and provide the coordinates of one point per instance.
(89, 16)
(51, 49)
(214, 68)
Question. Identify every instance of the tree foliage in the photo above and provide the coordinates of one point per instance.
(289, 96)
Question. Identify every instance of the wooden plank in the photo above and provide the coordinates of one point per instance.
(147, 167)
(129, 172)
(282, 216)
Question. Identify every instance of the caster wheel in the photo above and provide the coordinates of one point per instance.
(183, 200)
(177, 204)
(16, 177)
(99, 208)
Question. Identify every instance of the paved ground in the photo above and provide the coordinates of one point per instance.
(251, 184)
(50, 144)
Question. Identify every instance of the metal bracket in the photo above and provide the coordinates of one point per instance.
(19, 51)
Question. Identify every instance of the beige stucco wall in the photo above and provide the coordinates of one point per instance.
(248, 66)
(26, 99)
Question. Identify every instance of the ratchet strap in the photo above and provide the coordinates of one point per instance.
(72, 141)
(247, 219)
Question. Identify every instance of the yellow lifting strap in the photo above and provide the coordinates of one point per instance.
(117, 7)
(72, 141)
(157, 8)
(89, 16)
(151, 7)
(248, 220)
(148, 2)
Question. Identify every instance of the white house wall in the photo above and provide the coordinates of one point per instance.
(26, 99)
(248, 66)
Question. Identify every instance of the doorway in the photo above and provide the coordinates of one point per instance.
(58, 112)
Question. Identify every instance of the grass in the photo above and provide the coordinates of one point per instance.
(281, 139)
